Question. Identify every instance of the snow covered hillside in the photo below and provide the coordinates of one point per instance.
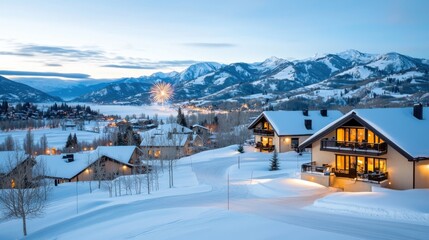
(262, 204)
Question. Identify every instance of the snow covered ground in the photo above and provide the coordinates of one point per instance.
(123, 110)
(57, 137)
(262, 205)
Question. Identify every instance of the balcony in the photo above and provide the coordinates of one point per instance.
(326, 170)
(375, 177)
(363, 148)
(263, 132)
(264, 148)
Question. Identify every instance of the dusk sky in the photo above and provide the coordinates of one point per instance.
(110, 39)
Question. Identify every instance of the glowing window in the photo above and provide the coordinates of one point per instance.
(370, 164)
(340, 134)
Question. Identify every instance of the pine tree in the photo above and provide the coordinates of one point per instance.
(240, 149)
(181, 118)
(74, 142)
(69, 142)
(274, 162)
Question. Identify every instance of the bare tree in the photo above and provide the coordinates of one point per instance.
(44, 144)
(99, 172)
(23, 195)
(29, 142)
(9, 143)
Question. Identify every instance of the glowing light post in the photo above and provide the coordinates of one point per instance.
(161, 92)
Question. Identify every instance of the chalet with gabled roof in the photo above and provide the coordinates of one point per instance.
(106, 162)
(385, 147)
(283, 131)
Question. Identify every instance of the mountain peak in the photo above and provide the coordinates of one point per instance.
(199, 69)
(273, 62)
(356, 56)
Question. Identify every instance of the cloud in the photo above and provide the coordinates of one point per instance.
(44, 74)
(16, 54)
(56, 56)
(178, 62)
(53, 65)
(210, 45)
(60, 51)
(151, 65)
(128, 66)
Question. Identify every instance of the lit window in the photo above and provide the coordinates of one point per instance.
(370, 164)
(340, 134)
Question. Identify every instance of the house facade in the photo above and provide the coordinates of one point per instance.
(372, 147)
(15, 169)
(104, 163)
(283, 131)
(168, 141)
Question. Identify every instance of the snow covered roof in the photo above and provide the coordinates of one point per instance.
(293, 122)
(10, 159)
(397, 126)
(164, 140)
(59, 168)
(121, 154)
(166, 128)
(200, 126)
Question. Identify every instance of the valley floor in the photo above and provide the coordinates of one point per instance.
(262, 204)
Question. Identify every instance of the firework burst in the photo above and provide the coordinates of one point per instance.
(161, 92)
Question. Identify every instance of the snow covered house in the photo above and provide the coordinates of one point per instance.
(106, 162)
(168, 141)
(201, 135)
(385, 147)
(283, 131)
(13, 165)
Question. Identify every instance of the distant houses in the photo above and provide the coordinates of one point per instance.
(385, 147)
(283, 131)
(168, 141)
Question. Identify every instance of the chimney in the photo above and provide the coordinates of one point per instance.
(418, 111)
(305, 112)
(68, 157)
(324, 112)
(307, 123)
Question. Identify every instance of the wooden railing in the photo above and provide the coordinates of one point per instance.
(265, 132)
(265, 147)
(361, 147)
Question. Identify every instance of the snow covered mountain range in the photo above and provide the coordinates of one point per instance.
(345, 78)
(18, 92)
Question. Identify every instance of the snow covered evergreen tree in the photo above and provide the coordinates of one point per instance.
(274, 162)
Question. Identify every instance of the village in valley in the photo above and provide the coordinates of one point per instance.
(323, 157)
(170, 120)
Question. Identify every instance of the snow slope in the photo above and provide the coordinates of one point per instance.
(262, 205)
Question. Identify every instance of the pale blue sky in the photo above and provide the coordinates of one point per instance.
(109, 39)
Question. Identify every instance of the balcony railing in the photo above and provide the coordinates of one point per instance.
(265, 147)
(265, 132)
(375, 177)
(354, 147)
